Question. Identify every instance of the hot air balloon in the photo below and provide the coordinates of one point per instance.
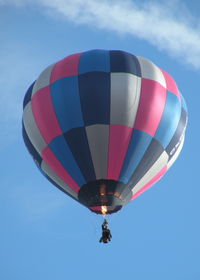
(103, 126)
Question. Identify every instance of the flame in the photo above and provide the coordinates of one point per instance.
(102, 189)
(104, 210)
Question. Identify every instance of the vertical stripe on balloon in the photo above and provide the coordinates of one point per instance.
(151, 155)
(138, 145)
(61, 188)
(170, 120)
(51, 175)
(94, 61)
(32, 130)
(123, 62)
(160, 165)
(125, 94)
(174, 157)
(150, 71)
(64, 155)
(157, 177)
(58, 168)
(171, 84)
(176, 139)
(66, 102)
(78, 144)
(34, 153)
(44, 115)
(66, 67)
(98, 140)
(151, 106)
(43, 80)
(119, 139)
(27, 96)
(94, 89)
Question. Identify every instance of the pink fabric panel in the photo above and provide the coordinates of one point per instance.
(151, 106)
(96, 208)
(57, 167)
(151, 182)
(118, 144)
(171, 84)
(44, 114)
(66, 67)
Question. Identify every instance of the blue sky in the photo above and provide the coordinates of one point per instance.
(45, 234)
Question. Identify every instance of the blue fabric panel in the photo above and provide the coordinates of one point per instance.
(78, 144)
(27, 96)
(124, 62)
(94, 60)
(94, 91)
(169, 120)
(175, 141)
(66, 102)
(37, 158)
(62, 152)
(183, 104)
(138, 145)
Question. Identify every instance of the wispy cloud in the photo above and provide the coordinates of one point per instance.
(168, 26)
(158, 24)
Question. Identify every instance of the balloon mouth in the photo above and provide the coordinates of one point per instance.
(110, 194)
(110, 209)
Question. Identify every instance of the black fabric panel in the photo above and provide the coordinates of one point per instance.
(94, 90)
(152, 153)
(27, 96)
(77, 141)
(175, 142)
(124, 62)
(37, 158)
(104, 192)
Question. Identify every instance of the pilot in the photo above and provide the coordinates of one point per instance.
(106, 234)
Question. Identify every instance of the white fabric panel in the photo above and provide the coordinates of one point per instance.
(176, 154)
(32, 130)
(125, 95)
(43, 80)
(151, 173)
(98, 140)
(150, 71)
(47, 169)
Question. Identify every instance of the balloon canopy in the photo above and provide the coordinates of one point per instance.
(103, 126)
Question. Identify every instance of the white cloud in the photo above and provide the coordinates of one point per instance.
(168, 26)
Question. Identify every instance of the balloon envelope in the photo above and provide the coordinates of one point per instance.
(103, 126)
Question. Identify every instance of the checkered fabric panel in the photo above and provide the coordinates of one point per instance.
(104, 115)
